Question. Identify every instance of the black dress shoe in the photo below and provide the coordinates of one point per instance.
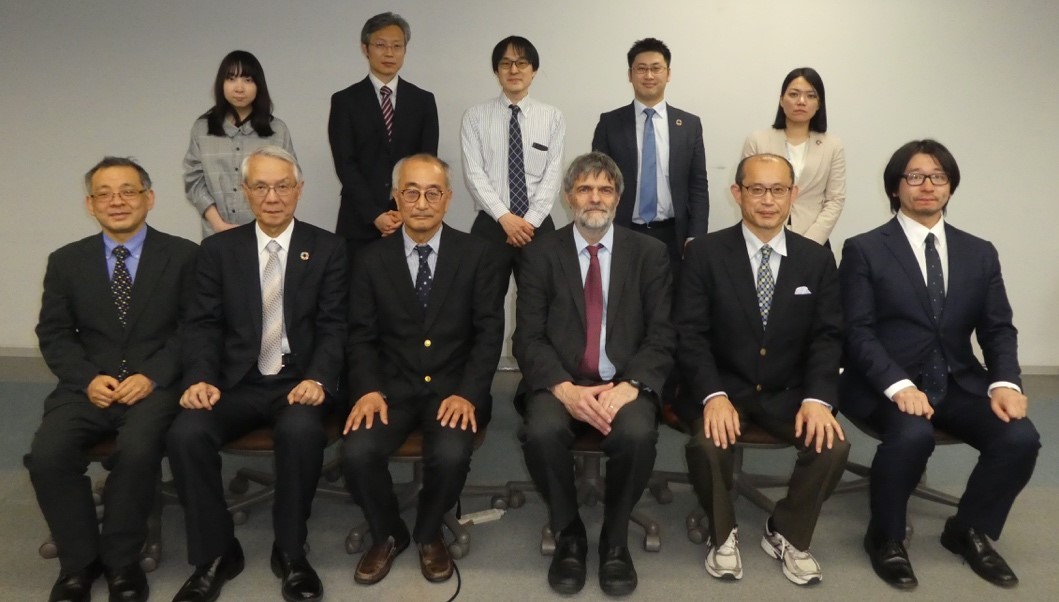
(300, 581)
(566, 574)
(127, 584)
(617, 576)
(76, 586)
(890, 560)
(206, 582)
(979, 553)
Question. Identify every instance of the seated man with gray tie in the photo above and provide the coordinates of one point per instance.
(264, 345)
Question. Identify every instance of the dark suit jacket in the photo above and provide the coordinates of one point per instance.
(393, 346)
(722, 345)
(890, 330)
(79, 331)
(550, 333)
(223, 334)
(364, 158)
(616, 136)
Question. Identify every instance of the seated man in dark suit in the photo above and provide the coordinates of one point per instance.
(913, 292)
(263, 346)
(109, 316)
(426, 328)
(594, 342)
(758, 323)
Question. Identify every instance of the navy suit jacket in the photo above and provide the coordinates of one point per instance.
(722, 345)
(394, 346)
(890, 329)
(550, 331)
(615, 136)
(79, 330)
(364, 157)
(223, 334)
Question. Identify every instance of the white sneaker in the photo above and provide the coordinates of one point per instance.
(799, 567)
(723, 561)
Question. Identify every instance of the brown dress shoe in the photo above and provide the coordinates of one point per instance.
(434, 559)
(375, 564)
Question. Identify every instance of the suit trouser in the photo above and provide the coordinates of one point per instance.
(1008, 456)
(195, 441)
(58, 466)
(548, 434)
(814, 478)
(446, 462)
(486, 227)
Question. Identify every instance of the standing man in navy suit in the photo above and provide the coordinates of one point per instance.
(914, 290)
(373, 123)
(264, 345)
(661, 155)
(759, 342)
(108, 329)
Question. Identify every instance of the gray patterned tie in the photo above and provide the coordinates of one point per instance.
(516, 167)
(121, 288)
(765, 285)
(936, 371)
(270, 359)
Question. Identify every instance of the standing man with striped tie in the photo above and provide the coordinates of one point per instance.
(512, 149)
(373, 123)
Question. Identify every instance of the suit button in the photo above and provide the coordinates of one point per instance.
(426, 343)
(763, 352)
(756, 388)
(426, 379)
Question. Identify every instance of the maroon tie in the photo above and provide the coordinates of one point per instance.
(593, 315)
(387, 111)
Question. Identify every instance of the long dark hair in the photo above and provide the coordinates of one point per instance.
(819, 121)
(240, 63)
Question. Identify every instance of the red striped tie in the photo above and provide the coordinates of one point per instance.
(387, 111)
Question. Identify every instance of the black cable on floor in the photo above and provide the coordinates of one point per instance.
(459, 581)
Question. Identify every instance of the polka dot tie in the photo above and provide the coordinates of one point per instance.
(270, 358)
(936, 370)
(423, 277)
(121, 288)
(766, 285)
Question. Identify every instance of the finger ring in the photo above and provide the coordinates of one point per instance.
(610, 407)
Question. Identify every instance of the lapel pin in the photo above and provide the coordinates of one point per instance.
(304, 256)
(679, 122)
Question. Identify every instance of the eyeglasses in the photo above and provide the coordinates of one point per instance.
(383, 46)
(505, 64)
(758, 190)
(916, 178)
(586, 191)
(411, 195)
(126, 195)
(260, 190)
(652, 69)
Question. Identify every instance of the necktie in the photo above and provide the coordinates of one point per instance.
(593, 315)
(270, 358)
(766, 285)
(649, 171)
(936, 370)
(121, 288)
(516, 167)
(387, 111)
(423, 277)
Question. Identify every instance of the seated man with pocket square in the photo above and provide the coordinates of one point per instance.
(758, 320)
(512, 150)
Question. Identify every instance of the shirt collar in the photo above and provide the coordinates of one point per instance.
(659, 108)
(524, 105)
(283, 239)
(917, 232)
(754, 244)
(607, 241)
(134, 245)
(377, 83)
(410, 245)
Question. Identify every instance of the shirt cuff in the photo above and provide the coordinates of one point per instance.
(1003, 383)
(712, 395)
(890, 391)
(819, 401)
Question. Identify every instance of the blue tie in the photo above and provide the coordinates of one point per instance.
(516, 168)
(649, 171)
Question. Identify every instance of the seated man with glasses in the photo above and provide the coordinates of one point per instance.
(758, 323)
(914, 291)
(426, 328)
(263, 346)
(109, 330)
(512, 149)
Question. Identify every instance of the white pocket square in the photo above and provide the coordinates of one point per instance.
(802, 290)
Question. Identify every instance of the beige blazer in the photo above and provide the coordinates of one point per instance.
(821, 185)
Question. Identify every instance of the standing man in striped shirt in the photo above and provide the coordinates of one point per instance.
(512, 150)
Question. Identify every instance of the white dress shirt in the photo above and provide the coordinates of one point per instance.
(377, 83)
(661, 124)
(606, 244)
(262, 259)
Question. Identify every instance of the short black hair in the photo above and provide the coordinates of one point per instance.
(109, 161)
(819, 121)
(521, 46)
(382, 20)
(649, 45)
(740, 170)
(895, 169)
(240, 63)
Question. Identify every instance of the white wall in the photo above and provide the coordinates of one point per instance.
(128, 77)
